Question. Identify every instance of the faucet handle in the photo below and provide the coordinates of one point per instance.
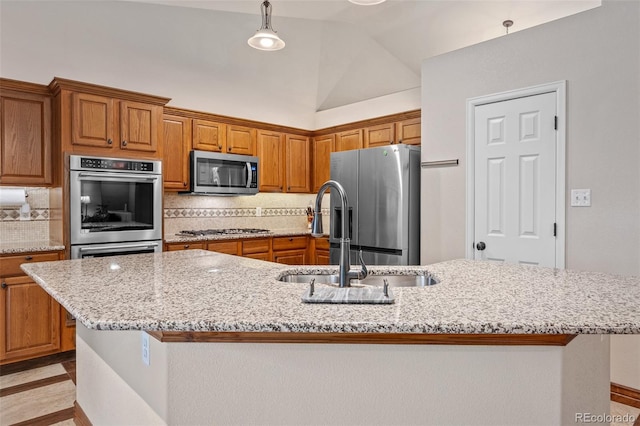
(364, 271)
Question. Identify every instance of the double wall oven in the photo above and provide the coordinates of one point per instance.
(115, 206)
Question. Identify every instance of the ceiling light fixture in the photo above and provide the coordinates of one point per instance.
(508, 23)
(266, 38)
(366, 2)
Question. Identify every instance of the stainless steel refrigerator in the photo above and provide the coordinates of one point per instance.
(383, 192)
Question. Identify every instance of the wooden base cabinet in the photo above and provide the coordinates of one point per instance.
(291, 250)
(30, 318)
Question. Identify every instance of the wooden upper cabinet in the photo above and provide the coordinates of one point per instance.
(92, 121)
(383, 134)
(209, 135)
(270, 152)
(25, 138)
(241, 140)
(409, 131)
(177, 145)
(346, 141)
(322, 148)
(298, 163)
(140, 126)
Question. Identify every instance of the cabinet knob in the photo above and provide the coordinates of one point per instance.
(184, 183)
(219, 146)
(400, 141)
(4, 285)
(124, 143)
(229, 149)
(391, 142)
(109, 141)
(288, 188)
(186, 246)
(28, 258)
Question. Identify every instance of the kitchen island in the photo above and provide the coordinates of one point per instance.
(488, 344)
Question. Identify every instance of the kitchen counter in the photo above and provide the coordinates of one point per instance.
(218, 237)
(198, 290)
(29, 247)
(244, 378)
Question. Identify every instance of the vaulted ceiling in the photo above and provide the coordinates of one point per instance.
(368, 51)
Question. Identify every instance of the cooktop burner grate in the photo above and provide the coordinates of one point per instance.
(204, 232)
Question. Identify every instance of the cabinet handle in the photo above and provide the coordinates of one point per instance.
(28, 258)
(124, 143)
(4, 285)
(109, 141)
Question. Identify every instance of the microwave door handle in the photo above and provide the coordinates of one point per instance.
(116, 176)
(248, 175)
(121, 247)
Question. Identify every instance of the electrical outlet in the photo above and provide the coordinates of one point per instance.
(145, 349)
(258, 211)
(581, 198)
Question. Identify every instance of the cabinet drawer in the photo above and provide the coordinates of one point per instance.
(257, 245)
(322, 243)
(10, 265)
(184, 246)
(288, 243)
(227, 247)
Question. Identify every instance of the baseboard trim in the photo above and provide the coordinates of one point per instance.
(625, 395)
(80, 418)
(29, 364)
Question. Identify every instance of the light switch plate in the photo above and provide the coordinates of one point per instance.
(581, 198)
(145, 349)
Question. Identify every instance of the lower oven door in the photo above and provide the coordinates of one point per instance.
(115, 249)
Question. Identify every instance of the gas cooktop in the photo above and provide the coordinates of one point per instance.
(204, 232)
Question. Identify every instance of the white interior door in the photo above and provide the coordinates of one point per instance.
(515, 180)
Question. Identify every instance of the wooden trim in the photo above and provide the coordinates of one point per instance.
(58, 84)
(80, 418)
(365, 338)
(625, 395)
(49, 419)
(16, 366)
(417, 113)
(199, 115)
(34, 384)
(24, 86)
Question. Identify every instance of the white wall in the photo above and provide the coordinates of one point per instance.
(598, 53)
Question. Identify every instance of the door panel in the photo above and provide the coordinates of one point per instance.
(515, 162)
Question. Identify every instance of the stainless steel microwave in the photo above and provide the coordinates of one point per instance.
(214, 173)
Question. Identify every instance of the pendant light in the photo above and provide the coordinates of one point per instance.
(366, 2)
(266, 38)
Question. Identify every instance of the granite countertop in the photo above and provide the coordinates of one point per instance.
(29, 247)
(198, 290)
(271, 233)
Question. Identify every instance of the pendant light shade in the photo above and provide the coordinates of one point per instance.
(366, 2)
(266, 38)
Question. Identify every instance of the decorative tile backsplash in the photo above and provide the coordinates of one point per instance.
(13, 229)
(225, 212)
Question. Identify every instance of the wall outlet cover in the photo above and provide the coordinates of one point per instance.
(580, 197)
(145, 349)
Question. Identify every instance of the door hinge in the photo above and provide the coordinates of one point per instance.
(555, 122)
(555, 229)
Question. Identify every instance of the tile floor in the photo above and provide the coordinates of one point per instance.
(45, 396)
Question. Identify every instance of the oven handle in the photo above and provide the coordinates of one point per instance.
(121, 247)
(117, 176)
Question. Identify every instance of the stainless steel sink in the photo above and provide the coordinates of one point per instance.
(371, 280)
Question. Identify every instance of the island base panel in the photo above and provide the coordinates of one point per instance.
(223, 383)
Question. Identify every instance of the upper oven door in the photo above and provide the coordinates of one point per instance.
(115, 207)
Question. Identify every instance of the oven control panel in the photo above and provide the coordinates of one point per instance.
(83, 162)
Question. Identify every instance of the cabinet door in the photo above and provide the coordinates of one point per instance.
(25, 139)
(139, 126)
(177, 144)
(30, 320)
(298, 164)
(383, 134)
(270, 150)
(322, 257)
(409, 131)
(209, 135)
(92, 121)
(323, 146)
(241, 140)
(346, 141)
(290, 257)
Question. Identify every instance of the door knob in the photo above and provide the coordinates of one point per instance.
(481, 246)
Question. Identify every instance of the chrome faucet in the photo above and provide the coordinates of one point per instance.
(346, 274)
